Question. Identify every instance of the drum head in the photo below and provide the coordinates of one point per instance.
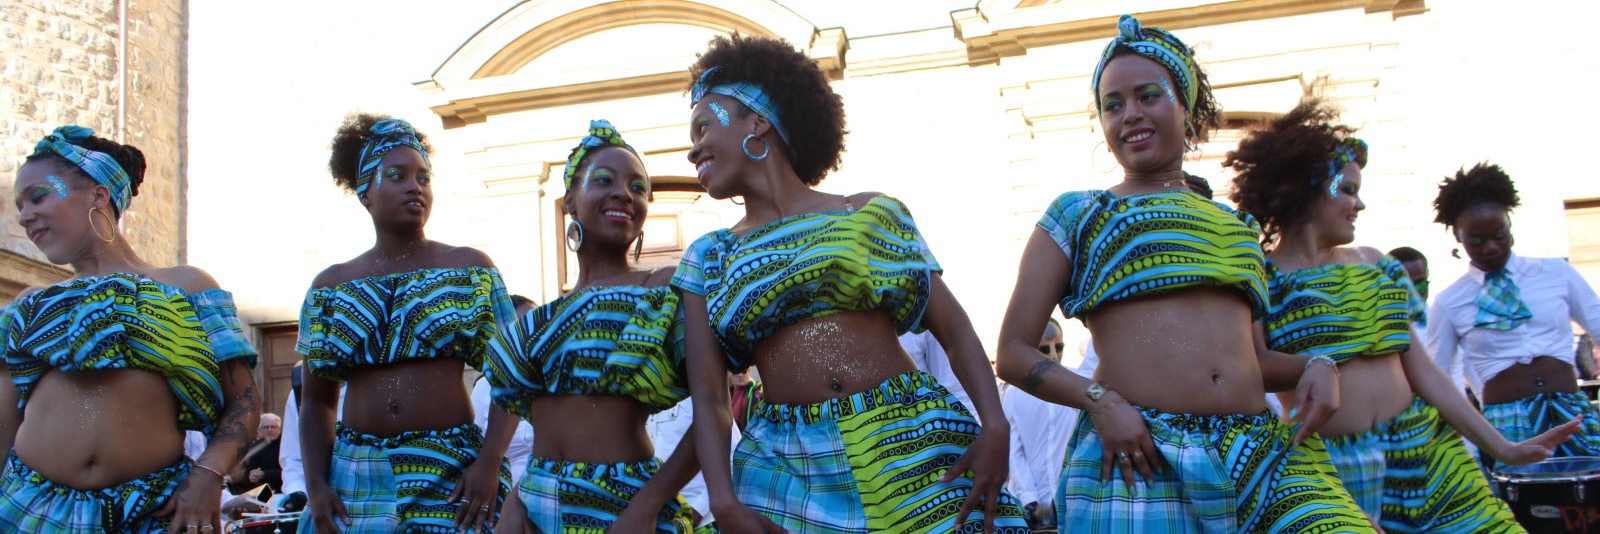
(1582, 467)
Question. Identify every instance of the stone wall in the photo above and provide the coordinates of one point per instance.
(60, 64)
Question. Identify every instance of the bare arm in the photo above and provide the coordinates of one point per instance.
(1041, 279)
(10, 415)
(950, 325)
(713, 415)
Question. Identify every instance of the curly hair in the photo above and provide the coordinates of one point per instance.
(1484, 183)
(131, 160)
(1279, 171)
(1207, 113)
(807, 106)
(345, 162)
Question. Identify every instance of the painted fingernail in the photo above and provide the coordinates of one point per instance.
(1293, 412)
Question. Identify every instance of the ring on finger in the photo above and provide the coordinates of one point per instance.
(1138, 454)
(1122, 457)
(205, 528)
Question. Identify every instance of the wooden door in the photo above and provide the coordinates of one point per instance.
(276, 363)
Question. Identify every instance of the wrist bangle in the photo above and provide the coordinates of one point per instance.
(220, 476)
(1102, 409)
(1324, 359)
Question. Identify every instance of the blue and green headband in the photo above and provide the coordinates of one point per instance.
(749, 94)
(601, 134)
(386, 135)
(100, 166)
(1159, 46)
(1350, 150)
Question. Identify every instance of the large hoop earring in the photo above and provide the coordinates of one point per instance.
(96, 230)
(766, 149)
(574, 243)
(737, 201)
(638, 247)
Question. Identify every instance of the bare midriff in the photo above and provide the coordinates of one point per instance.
(1545, 374)
(387, 400)
(830, 357)
(1372, 391)
(91, 430)
(590, 429)
(1191, 351)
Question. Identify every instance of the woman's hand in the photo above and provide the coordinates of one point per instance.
(325, 507)
(256, 475)
(1316, 398)
(987, 459)
(1540, 447)
(195, 506)
(1126, 441)
(478, 492)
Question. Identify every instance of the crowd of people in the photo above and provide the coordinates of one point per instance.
(807, 369)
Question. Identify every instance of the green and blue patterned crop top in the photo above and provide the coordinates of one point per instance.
(128, 321)
(1153, 243)
(808, 266)
(625, 341)
(1342, 310)
(422, 314)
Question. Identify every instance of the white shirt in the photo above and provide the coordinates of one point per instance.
(521, 448)
(194, 444)
(666, 429)
(1039, 434)
(930, 358)
(294, 469)
(1553, 291)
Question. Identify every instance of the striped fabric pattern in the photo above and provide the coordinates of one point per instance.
(30, 503)
(583, 498)
(1341, 310)
(1526, 418)
(1230, 474)
(620, 340)
(1152, 243)
(127, 321)
(808, 266)
(1431, 481)
(869, 462)
(401, 484)
(428, 313)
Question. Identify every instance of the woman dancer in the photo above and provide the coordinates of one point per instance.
(396, 324)
(597, 362)
(1509, 318)
(815, 288)
(1302, 178)
(112, 366)
(1169, 284)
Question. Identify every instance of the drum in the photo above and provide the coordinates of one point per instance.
(266, 524)
(1556, 495)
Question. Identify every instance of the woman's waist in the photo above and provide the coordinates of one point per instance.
(390, 399)
(1543, 374)
(1203, 383)
(95, 449)
(590, 429)
(830, 357)
(1373, 390)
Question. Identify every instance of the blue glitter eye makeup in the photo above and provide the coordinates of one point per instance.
(60, 187)
(1171, 96)
(722, 113)
(1333, 185)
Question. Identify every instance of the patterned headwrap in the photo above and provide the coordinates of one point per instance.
(1159, 46)
(749, 94)
(1350, 150)
(386, 135)
(100, 166)
(601, 134)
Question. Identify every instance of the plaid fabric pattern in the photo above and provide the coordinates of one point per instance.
(1500, 305)
(1360, 462)
(1230, 474)
(1431, 483)
(1525, 418)
(585, 498)
(400, 484)
(869, 462)
(30, 503)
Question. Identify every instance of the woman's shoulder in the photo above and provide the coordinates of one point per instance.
(190, 279)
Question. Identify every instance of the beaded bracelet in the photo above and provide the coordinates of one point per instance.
(1323, 358)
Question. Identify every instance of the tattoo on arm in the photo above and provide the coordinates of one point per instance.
(233, 426)
(1035, 376)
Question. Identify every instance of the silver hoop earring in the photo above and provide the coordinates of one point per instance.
(766, 149)
(574, 243)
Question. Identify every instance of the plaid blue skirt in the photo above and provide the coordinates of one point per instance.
(33, 504)
(584, 498)
(869, 462)
(1230, 474)
(401, 484)
(1421, 476)
(1525, 418)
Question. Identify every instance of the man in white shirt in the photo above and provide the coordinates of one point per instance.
(666, 429)
(1039, 434)
(294, 471)
(930, 358)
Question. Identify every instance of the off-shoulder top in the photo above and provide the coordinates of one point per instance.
(1153, 243)
(625, 341)
(422, 314)
(1342, 310)
(808, 266)
(128, 321)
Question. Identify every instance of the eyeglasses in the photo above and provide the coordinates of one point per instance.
(1059, 347)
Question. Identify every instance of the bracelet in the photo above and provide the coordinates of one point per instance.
(1102, 409)
(213, 471)
(1322, 358)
